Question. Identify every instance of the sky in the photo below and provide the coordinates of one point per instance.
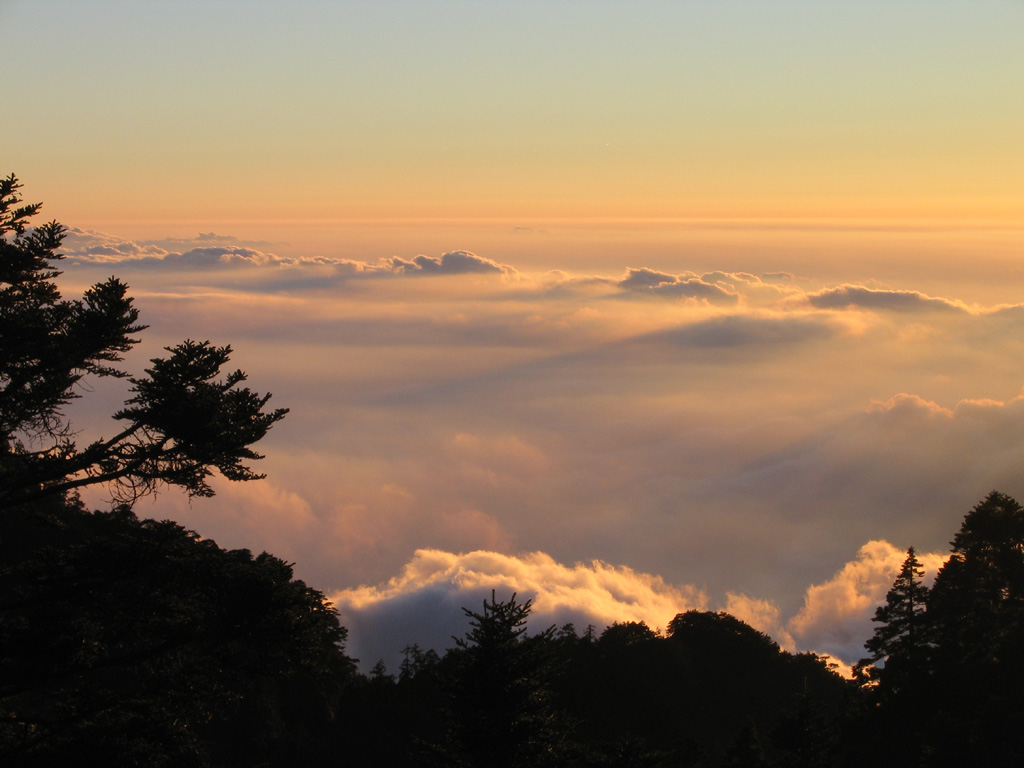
(627, 308)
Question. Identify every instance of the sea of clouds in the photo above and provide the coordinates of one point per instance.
(616, 447)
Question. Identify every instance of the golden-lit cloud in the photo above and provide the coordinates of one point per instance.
(423, 603)
(836, 615)
(763, 615)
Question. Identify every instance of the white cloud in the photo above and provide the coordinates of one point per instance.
(205, 240)
(642, 278)
(211, 256)
(86, 246)
(423, 604)
(83, 247)
(836, 615)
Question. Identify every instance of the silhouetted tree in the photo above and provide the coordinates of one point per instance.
(976, 610)
(567, 633)
(181, 422)
(720, 634)
(979, 593)
(626, 633)
(415, 661)
(628, 753)
(128, 642)
(682, 699)
(899, 646)
(379, 674)
(498, 681)
(950, 691)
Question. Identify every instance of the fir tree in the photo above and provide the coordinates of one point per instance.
(898, 647)
(501, 713)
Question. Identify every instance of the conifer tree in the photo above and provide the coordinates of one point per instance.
(501, 713)
(976, 608)
(898, 647)
(183, 420)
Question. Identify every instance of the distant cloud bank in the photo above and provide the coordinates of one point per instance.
(208, 250)
(782, 290)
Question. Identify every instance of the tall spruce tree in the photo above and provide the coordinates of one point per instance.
(498, 681)
(976, 609)
(899, 647)
(977, 603)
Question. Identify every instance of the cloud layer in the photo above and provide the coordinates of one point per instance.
(740, 433)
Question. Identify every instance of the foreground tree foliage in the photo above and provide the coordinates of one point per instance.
(183, 420)
(946, 684)
(976, 616)
(128, 642)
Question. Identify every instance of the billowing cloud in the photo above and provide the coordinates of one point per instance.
(777, 277)
(211, 256)
(836, 615)
(846, 296)
(423, 604)
(643, 279)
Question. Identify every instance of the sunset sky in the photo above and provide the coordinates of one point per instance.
(628, 307)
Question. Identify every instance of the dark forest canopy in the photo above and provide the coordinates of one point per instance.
(139, 639)
(136, 642)
(139, 643)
